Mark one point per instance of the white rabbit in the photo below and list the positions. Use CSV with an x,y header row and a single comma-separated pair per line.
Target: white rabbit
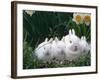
x,y
53,48
73,48
42,51
60,45
56,50
73,51
71,37
69,48
84,44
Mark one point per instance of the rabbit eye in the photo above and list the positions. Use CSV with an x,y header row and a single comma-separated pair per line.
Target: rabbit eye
x,y
70,41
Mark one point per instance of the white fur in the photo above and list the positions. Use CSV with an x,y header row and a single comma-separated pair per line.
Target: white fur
x,y
57,49
73,48
69,47
84,44
42,51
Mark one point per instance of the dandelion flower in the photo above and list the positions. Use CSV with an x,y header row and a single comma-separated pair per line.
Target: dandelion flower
x,y
87,19
78,18
30,12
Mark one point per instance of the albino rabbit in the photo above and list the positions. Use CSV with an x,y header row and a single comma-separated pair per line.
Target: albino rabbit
x,y
84,44
71,37
53,48
73,48
69,48
60,46
42,51
73,51
56,51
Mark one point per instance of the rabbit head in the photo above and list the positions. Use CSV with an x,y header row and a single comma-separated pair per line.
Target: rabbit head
x,y
72,41
72,51
73,48
53,48
60,45
84,44
56,49
71,37
42,51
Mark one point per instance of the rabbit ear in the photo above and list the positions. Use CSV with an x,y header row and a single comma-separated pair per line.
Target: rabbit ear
x,y
84,38
63,39
70,33
51,40
73,31
56,39
46,39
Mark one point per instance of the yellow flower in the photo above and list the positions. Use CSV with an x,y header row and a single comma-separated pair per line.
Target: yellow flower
x,y
30,12
78,18
82,18
87,19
